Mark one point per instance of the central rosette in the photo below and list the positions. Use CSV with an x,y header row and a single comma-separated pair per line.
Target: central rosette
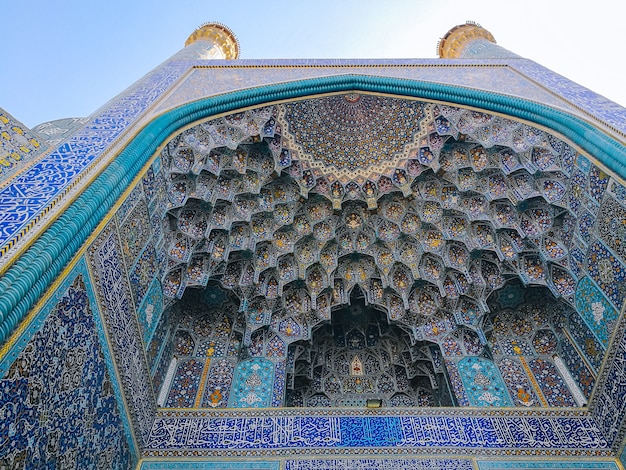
x,y
350,134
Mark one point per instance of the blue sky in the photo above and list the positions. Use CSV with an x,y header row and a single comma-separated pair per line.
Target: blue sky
x,y
66,58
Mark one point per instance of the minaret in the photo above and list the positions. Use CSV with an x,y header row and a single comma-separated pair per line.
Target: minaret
x,y
471,41
211,41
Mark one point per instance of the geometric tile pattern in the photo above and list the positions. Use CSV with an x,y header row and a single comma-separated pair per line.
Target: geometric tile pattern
x,y
185,384
278,392
149,312
517,382
456,383
597,184
603,109
159,367
612,226
57,403
586,341
134,231
609,402
584,378
207,343
143,274
254,203
357,364
219,378
526,341
390,125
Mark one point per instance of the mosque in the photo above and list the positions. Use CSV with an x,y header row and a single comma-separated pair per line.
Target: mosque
x,y
318,264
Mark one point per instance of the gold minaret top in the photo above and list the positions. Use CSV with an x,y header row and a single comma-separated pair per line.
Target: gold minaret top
x,y
452,45
224,41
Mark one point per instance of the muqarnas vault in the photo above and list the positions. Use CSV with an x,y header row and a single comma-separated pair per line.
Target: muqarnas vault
x,y
346,264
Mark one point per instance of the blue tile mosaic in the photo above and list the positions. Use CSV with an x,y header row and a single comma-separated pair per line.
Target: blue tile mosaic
x,y
143,274
618,190
517,382
583,163
57,170
129,204
604,110
611,226
278,392
159,342
598,182
585,223
57,399
276,434
586,341
577,259
134,234
185,385
456,383
531,434
608,404
579,370
218,385
551,383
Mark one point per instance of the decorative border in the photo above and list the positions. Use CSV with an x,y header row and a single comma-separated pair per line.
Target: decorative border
x,y
113,290
542,465
399,431
380,464
206,465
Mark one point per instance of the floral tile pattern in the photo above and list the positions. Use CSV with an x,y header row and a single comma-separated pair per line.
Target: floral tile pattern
x,y
595,309
483,383
253,384
57,401
551,383
609,273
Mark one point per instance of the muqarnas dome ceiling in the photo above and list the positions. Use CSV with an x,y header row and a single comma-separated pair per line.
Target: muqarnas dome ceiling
x,y
429,209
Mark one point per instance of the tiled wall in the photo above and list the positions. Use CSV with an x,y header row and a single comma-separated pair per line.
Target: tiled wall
x,y
59,398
